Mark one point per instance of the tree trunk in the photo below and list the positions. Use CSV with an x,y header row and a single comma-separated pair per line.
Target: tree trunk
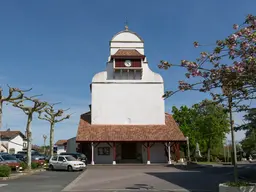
x,y
233,156
51,139
1,110
1,114
29,138
44,148
209,151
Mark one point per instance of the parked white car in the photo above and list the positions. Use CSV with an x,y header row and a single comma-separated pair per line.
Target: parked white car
x,y
65,162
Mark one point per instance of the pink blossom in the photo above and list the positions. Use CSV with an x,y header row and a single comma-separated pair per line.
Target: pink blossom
x,y
235,26
234,37
196,44
232,52
203,54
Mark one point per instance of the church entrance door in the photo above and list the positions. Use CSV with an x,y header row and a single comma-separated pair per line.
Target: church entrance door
x,y
129,150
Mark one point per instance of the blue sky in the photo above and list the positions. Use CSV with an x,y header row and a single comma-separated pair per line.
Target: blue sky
x,y
57,46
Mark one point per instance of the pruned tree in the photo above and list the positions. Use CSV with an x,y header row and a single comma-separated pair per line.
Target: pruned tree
x,y
44,137
29,111
52,116
13,95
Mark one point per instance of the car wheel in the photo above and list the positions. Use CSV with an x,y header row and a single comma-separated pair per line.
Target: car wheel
x,y
51,168
70,168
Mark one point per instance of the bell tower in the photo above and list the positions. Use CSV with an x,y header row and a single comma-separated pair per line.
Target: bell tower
x,y
128,91
126,56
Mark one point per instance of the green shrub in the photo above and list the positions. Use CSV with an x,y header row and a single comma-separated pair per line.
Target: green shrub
x,y
34,165
5,171
23,165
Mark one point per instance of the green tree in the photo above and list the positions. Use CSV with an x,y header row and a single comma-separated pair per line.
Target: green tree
x,y
185,117
249,143
212,123
205,123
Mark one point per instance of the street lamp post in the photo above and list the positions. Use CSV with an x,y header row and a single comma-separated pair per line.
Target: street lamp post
x,y
187,138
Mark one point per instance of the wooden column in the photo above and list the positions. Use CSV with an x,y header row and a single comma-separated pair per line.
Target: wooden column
x,y
169,153
92,144
114,153
148,153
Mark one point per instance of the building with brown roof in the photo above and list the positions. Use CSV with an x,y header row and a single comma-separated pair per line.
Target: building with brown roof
x,y
127,120
60,146
12,141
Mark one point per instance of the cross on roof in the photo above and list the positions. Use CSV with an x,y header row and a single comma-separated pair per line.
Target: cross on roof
x,y
126,24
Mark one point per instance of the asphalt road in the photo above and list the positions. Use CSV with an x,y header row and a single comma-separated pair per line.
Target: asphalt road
x,y
48,181
56,181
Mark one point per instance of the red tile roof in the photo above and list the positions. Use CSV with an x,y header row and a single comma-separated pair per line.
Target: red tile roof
x,y
61,142
128,53
11,134
168,132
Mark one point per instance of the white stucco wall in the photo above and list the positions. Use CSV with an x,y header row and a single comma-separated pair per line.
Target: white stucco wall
x,y
3,146
157,153
103,159
71,145
127,104
60,149
16,144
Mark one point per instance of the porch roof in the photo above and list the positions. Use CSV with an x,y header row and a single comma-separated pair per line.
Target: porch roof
x,y
90,132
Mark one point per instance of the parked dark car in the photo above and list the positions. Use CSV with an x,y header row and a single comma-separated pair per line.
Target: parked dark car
x,y
10,160
78,156
35,156
21,157
33,153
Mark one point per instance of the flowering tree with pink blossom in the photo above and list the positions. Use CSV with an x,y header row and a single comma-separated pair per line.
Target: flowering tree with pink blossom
x,y
228,72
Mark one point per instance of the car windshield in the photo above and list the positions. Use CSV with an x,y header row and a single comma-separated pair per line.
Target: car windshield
x,y
8,157
70,158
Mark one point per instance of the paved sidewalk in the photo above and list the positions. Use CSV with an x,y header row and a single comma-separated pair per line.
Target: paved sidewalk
x,y
156,178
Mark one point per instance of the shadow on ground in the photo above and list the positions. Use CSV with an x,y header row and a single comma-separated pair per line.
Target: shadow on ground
x,y
245,171
192,180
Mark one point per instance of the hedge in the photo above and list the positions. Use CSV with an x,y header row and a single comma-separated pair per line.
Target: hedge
x,y
5,171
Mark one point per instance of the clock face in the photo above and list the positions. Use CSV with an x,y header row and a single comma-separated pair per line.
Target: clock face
x,y
128,63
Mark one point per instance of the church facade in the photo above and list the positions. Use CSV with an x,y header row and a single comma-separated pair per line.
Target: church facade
x,y
127,122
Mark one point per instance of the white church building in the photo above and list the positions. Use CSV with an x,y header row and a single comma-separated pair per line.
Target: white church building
x,y
127,122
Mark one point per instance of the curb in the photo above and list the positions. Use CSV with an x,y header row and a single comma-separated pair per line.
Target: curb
x,y
21,174
126,165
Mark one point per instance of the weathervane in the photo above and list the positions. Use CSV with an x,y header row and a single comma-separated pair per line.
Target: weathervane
x,y
126,25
